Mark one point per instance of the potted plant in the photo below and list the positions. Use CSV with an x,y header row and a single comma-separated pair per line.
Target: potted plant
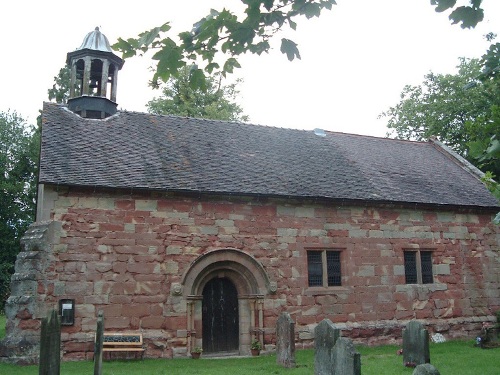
x,y
196,352
255,347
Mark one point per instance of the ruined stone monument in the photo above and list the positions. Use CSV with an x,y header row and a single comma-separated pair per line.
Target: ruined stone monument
x,y
325,337
285,341
23,309
415,344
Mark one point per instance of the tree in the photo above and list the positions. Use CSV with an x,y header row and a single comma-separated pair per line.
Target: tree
x,y
19,148
60,88
487,153
219,38
213,100
450,108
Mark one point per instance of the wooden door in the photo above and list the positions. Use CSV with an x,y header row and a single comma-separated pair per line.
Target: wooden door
x,y
220,316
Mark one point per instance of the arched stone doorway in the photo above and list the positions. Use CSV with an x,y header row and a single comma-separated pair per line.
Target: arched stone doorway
x,y
251,284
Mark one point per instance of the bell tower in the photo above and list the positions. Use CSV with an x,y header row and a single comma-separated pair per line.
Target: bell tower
x,y
94,76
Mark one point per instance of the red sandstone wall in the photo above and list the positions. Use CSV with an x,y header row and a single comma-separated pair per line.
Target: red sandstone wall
x,y
121,253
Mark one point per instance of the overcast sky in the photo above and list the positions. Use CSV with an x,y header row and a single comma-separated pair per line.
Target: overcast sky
x,y
355,59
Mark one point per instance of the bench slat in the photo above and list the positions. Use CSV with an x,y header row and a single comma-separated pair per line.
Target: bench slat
x,y
110,343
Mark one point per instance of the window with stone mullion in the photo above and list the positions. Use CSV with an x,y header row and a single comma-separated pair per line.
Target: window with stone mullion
x,y
323,268
418,267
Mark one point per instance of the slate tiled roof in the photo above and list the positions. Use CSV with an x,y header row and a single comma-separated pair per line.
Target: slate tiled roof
x,y
169,153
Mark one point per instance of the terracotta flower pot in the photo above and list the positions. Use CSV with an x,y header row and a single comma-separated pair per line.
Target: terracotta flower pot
x,y
255,352
195,355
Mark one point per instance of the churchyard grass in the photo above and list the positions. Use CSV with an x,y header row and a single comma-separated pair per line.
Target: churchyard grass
x,y
455,357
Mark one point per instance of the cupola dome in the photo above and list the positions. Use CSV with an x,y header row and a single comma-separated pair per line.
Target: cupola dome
x,y
97,41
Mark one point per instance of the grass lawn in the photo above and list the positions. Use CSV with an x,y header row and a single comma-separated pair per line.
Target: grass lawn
x,y
455,357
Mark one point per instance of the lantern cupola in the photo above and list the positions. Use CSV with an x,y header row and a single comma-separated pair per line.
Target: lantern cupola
x,y
94,76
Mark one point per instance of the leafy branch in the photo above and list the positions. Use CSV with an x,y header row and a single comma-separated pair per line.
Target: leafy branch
x,y
221,33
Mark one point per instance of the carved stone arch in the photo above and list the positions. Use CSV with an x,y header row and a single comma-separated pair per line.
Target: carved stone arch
x,y
252,286
248,275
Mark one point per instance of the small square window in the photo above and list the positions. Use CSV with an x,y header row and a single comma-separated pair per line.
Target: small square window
x,y
324,268
418,267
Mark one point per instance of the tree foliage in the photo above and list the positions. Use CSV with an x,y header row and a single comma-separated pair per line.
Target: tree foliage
x,y
60,89
450,108
466,15
19,148
210,99
219,38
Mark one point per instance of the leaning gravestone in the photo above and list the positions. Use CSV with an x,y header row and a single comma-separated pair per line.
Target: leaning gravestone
x,y
50,345
325,337
425,369
415,344
285,341
346,359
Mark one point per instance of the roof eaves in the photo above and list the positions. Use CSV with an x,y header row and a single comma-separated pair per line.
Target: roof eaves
x,y
341,201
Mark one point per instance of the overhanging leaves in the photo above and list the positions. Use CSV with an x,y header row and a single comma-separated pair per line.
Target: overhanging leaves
x,y
197,79
442,5
468,16
290,48
222,32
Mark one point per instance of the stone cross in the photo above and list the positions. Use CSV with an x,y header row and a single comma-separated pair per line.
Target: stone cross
x,y
346,359
285,341
325,337
415,344
99,339
50,345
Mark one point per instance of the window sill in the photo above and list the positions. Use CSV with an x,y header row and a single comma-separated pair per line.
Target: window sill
x,y
320,290
431,287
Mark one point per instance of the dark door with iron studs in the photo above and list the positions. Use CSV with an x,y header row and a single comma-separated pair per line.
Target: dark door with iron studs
x,y
220,316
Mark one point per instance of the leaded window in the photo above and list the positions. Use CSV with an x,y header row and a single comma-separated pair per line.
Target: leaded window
x,y
418,267
324,268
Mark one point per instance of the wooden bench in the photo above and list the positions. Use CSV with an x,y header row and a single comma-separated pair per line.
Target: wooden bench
x,y
123,342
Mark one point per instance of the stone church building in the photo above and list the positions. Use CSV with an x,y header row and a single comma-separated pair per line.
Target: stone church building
x,y
198,232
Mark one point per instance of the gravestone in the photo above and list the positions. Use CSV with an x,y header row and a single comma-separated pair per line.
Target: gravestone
x,y
346,359
415,344
426,369
285,341
99,339
50,345
325,337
